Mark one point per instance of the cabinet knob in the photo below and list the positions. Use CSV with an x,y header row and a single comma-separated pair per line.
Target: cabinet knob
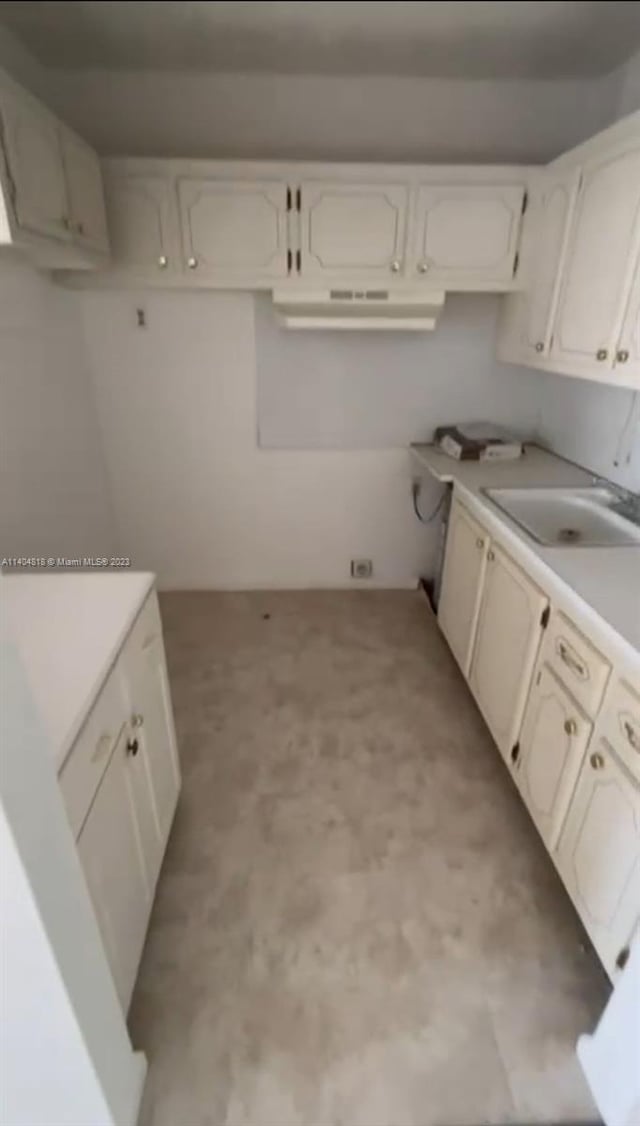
x,y
571,727
132,747
601,354
622,356
480,543
395,266
163,261
423,267
137,720
540,346
192,263
597,761
490,556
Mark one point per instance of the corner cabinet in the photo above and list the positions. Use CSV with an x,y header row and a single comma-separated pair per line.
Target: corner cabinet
x,y
51,185
120,785
510,625
462,580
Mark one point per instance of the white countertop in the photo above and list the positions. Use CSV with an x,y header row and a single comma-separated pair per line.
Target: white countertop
x,y
68,628
604,580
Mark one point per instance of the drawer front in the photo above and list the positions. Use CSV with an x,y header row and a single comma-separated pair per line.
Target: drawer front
x,y
147,628
92,750
576,662
621,725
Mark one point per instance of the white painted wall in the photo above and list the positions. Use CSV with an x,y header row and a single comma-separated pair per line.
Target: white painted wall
x,y
320,117
594,425
53,489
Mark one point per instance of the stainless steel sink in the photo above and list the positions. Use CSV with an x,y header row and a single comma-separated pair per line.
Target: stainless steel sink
x,y
560,517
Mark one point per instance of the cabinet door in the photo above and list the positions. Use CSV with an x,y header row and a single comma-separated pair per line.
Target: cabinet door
x,y
602,255
142,223
627,357
85,194
34,158
553,741
467,233
462,577
111,856
599,852
507,639
554,213
152,717
353,230
234,229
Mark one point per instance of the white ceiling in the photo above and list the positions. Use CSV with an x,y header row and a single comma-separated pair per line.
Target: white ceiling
x,y
456,40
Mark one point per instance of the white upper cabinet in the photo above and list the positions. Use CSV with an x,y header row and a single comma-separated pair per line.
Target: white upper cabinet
x,y
552,745
142,223
353,230
50,184
601,262
35,166
506,645
465,235
233,228
627,355
85,194
462,578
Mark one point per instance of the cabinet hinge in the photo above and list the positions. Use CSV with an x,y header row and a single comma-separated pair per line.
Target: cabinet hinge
x,y
544,618
289,261
516,263
525,202
299,199
298,260
515,752
288,199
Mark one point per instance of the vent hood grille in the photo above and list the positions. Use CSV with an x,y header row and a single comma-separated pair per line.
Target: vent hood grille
x,y
363,309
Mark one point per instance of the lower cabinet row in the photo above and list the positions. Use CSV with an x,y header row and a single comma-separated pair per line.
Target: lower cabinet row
x,y
120,785
566,723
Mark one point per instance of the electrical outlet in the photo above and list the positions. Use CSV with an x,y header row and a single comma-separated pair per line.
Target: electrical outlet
x,y
361,568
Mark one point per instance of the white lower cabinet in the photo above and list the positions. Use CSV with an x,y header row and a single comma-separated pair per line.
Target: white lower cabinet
x,y
121,790
549,753
466,559
510,625
111,855
598,854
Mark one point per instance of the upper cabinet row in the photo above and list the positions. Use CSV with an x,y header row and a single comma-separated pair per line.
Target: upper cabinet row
x,y
250,226
579,311
51,185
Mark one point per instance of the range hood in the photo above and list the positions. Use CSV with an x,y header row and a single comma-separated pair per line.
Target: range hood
x,y
358,309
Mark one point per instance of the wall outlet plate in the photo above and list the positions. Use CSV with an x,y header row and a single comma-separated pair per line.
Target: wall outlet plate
x,y
361,568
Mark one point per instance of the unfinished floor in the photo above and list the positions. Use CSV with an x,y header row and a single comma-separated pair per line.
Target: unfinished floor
x,y
356,923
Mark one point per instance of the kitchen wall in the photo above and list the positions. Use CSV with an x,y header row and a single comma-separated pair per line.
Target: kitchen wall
x,y
53,488
331,118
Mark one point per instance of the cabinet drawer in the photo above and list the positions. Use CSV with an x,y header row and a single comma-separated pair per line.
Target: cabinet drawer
x,y
92,750
621,725
147,628
575,661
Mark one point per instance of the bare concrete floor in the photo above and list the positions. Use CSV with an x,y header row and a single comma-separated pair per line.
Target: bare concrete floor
x,y
356,923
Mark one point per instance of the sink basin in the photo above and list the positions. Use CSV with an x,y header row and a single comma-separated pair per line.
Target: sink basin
x,y
562,517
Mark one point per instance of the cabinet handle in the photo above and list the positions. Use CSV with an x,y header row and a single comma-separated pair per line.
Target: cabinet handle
x,y
423,267
540,346
192,263
490,556
632,735
571,727
597,761
622,356
163,261
395,266
137,720
132,747
480,543
572,662
601,354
